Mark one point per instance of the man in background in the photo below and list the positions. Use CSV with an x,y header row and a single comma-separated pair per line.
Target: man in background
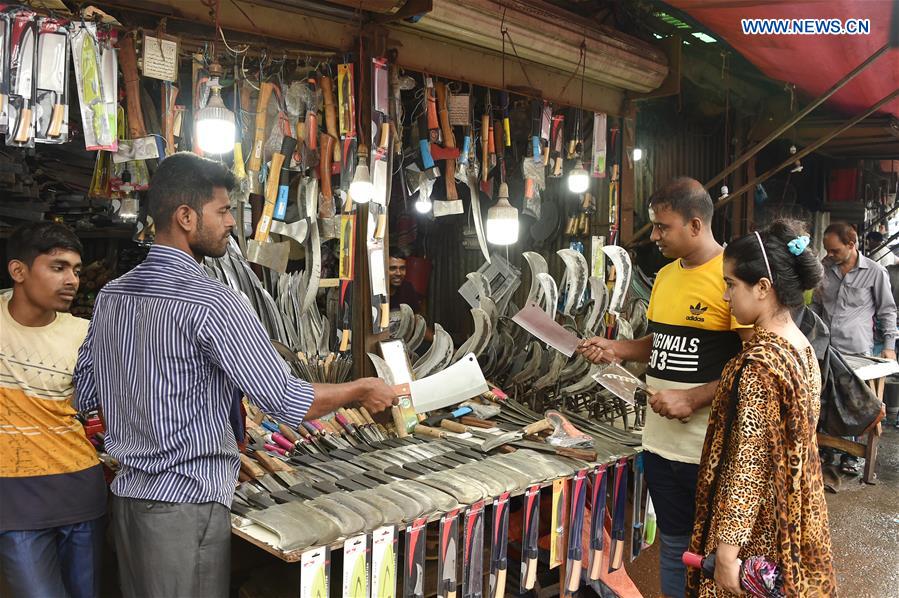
x,y
855,296
52,490
401,290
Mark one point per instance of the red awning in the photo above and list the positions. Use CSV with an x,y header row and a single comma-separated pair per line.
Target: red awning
x,y
812,62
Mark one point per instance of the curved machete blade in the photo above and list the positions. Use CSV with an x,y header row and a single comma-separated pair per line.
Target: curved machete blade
x,y
576,274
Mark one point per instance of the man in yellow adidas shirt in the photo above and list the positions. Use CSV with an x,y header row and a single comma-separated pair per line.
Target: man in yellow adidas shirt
x,y
52,491
692,335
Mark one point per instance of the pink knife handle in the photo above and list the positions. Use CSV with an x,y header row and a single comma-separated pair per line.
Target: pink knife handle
x,y
282,441
317,425
275,449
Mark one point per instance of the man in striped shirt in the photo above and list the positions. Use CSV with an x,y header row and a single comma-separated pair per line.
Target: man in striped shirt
x,y
168,355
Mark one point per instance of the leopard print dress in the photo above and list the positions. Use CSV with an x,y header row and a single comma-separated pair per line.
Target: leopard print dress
x,y
770,496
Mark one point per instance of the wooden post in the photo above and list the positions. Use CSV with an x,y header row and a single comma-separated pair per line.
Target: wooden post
x,y
627,184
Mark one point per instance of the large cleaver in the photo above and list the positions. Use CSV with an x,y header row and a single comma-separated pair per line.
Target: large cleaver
x,y
461,381
624,384
536,321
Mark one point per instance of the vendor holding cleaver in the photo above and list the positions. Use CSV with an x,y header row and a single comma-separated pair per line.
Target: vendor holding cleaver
x,y
692,337
167,358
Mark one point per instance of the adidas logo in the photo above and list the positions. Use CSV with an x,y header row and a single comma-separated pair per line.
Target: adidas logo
x,y
697,311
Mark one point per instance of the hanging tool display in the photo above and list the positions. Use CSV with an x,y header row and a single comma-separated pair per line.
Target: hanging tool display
x,y
260,249
20,95
499,546
414,567
619,506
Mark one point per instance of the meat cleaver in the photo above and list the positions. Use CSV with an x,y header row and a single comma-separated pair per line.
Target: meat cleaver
x,y
459,382
536,321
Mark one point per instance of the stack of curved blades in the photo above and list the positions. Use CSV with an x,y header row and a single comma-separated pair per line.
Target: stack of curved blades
x,y
234,271
480,338
537,266
438,356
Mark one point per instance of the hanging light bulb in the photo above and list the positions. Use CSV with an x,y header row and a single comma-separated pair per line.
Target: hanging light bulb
x,y
423,204
578,178
215,123
361,188
502,220
638,154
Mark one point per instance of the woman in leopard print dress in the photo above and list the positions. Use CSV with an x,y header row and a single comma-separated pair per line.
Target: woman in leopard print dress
x,y
760,489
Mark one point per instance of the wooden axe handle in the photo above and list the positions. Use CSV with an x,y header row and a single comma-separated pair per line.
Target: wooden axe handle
x,y
326,156
269,463
474,422
330,115
265,94
128,64
537,427
485,140
429,432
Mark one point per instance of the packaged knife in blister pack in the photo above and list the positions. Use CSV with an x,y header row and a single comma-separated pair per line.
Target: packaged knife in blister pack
x,y
619,504
597,520
558,537
575,534
356,567
51,101
473,557
383,562
499,544
4,67
637,515
447,562
529,542
414,559
22,50
96,77
315,565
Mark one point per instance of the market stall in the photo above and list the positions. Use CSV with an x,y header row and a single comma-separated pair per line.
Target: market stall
x,y
508,444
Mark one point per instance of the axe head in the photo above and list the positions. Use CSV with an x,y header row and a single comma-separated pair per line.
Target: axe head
x,y
271,255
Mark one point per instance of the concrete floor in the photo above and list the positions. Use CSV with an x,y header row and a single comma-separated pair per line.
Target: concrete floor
x,y
864,526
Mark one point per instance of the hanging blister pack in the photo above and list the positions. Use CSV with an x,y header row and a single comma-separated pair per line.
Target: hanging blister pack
x,y
22,50
355,567
4,70
315,567
530,539
597,520
499,544
414,566
96,78
51,101
473,556
447,561
383,562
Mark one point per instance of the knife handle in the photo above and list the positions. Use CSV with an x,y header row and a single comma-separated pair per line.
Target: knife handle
x,y
474,422
574,575
537,427
326,156
596,565
55,128
250,467
23,130
500,583
453,426
269,463
428,432
398,422
385,315
531,577
287,433
485,161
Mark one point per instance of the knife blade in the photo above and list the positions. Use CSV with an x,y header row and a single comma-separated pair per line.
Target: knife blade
x,y
22,83
449,568
637,519
476,558
536,321
499,547
461,381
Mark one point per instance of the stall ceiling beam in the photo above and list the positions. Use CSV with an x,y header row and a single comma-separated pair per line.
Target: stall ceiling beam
x,y
418,50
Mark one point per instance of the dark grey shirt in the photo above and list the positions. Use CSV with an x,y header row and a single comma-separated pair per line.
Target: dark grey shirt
x,y
849,304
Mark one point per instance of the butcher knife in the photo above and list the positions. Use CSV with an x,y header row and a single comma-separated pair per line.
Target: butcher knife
x,y
461,381
536,321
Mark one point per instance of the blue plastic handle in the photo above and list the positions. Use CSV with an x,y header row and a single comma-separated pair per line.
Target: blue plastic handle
x,y
281,203
425,149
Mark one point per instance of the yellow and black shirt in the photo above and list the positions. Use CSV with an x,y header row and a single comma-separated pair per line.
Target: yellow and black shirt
x,y
693,338
49,472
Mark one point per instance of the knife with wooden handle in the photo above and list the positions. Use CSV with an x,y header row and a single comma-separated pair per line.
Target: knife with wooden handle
x,y
327,86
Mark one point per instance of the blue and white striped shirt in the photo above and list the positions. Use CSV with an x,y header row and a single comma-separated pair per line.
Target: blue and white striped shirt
x,y
167,352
